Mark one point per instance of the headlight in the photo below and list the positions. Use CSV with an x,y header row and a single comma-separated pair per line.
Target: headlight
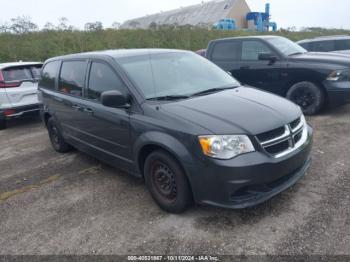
x,y
226,146
339,75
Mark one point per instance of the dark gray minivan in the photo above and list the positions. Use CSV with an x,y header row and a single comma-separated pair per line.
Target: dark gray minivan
x,y
178,121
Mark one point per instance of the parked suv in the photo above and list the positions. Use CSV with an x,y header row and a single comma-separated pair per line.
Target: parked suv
x,y
178,121
340,44
18,90
280,66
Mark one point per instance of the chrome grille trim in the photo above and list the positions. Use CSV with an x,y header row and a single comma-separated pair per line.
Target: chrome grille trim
x,y
271,142
298,127
290,136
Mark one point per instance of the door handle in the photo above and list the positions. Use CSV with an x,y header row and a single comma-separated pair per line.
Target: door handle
x,y
76,107
89,111
57,99
245,67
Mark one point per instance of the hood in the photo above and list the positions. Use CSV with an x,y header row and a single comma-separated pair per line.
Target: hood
x,y
239,111
317,57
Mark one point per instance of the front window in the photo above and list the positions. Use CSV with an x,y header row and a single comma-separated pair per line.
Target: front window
x,y
252,49
286,46
175,74
102,78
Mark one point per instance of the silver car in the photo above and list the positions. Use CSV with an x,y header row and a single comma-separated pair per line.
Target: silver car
x,y
18,89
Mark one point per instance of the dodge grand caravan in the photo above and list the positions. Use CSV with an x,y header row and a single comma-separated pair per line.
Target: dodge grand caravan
x,y
178,121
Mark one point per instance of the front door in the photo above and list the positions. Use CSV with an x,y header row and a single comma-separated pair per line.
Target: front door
x,y
266,75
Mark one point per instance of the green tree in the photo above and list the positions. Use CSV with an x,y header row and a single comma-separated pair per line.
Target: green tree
x,y
22,25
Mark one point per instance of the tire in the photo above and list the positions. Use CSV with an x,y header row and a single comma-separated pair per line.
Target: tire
x,y
56,137
309,96
161,169
2,124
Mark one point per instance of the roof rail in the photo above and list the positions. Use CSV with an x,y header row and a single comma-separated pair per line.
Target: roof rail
x,y
330,36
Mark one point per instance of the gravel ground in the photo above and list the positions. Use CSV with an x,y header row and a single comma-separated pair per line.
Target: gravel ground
x,y
74,204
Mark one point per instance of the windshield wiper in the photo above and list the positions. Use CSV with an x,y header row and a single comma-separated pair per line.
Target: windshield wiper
x,y
212,90
168,98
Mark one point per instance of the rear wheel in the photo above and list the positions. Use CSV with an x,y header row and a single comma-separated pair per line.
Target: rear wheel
x,y
167,182
309,96
56,137
2,124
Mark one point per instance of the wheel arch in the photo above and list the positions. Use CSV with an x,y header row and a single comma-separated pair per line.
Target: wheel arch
x,y
46,117
151,141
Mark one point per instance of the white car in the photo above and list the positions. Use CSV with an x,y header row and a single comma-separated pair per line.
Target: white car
x,y
18,89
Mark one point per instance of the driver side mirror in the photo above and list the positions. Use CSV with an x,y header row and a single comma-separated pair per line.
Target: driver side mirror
x,y
115,99
267,57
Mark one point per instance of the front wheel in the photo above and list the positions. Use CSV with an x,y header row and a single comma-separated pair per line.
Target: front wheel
x,y
309,96
167,182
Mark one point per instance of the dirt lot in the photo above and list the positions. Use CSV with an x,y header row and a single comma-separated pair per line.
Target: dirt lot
x,y
74,204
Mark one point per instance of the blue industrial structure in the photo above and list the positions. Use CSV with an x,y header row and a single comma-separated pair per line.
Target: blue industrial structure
x,y
259,20
225,24
262,20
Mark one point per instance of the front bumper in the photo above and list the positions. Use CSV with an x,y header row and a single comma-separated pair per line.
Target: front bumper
x,y
249,179
338,92
14,112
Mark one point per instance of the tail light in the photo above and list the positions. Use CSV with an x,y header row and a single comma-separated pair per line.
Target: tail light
x,y
3,84
9,112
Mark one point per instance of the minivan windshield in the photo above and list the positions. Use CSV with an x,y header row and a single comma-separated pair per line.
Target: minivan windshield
x,y
286,46
175,75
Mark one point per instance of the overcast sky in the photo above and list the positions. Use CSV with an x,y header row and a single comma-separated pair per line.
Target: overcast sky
x,y
287,13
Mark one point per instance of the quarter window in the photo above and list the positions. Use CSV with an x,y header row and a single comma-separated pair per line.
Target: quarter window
x,y
48,76
252,49
102,78
72,78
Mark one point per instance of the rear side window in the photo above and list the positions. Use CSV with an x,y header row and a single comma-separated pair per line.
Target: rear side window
x,y
102,78
17,74
252,49
72,78
48,76
323,46
226,50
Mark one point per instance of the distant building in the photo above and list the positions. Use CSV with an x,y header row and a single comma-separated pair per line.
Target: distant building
x,y
204,14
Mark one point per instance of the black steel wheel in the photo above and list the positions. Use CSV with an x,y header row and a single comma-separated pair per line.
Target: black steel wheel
x,y
163,180
167,182
308,96
56,137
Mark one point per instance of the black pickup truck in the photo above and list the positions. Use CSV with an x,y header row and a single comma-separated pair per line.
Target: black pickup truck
x,y
280,66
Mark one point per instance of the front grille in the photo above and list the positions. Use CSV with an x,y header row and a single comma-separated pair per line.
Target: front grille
x,y
295,123
297,137
282,140
271,134
278,148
